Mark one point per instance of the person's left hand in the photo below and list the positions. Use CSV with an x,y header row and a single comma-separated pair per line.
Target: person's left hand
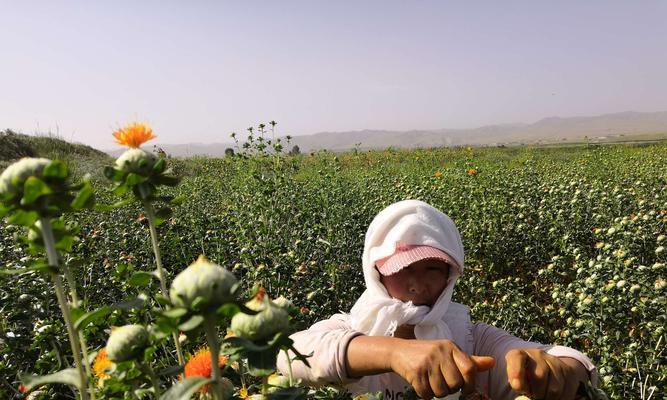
x,y
539,375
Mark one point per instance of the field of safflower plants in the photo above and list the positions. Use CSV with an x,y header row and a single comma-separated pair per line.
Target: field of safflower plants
x,y
563,245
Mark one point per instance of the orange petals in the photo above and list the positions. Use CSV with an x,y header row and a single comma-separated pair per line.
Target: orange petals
x,y
101,363
199,364
134,135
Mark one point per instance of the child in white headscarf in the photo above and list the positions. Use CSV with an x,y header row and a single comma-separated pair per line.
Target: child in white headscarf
x,y
405,331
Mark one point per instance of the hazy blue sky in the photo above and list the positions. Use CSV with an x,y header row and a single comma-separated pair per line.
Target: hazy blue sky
x,y
198,70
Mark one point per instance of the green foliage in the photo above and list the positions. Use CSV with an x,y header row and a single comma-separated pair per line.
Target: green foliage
x,y
563,246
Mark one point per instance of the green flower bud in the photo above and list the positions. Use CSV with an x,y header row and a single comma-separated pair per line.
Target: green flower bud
x,y
136,160
13,177
270,320
227,388
278,381
282,302
127,342
205,280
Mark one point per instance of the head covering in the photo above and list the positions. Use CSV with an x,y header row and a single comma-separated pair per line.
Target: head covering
x,y
408,222
407,254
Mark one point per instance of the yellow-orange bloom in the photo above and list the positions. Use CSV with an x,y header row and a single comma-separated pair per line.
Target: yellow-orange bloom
x,y
134,135
437,174
101,363
199,364
472,171
243,393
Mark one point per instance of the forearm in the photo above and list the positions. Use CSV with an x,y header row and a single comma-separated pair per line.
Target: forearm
x,y
370,355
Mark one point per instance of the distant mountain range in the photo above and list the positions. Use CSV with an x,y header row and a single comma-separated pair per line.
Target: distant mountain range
x,y
623,126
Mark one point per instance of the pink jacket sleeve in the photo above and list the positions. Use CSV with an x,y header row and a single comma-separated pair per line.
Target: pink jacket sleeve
x,y
495,342
327,342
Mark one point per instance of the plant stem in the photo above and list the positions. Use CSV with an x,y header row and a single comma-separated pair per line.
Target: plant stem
x,y
212,339
150,215
52,256
265,385
151,374
82,338
289,368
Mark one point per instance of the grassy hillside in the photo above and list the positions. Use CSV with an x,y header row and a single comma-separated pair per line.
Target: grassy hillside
x,y
81,158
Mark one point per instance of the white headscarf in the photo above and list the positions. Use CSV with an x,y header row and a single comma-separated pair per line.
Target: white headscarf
x,y
411,222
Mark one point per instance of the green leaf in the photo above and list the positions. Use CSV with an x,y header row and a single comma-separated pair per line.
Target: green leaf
x,y
68,376
110,207
171,371
114,174
184,389
120,190
55,169
37,268
89,317
162,215
159,166
228,310
65,243
133,179
191,323
166,180
177,201
25,218
176,312
33,189
141,279
84,198
162,299
130,304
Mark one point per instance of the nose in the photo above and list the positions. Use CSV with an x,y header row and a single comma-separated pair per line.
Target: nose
x,y
414,286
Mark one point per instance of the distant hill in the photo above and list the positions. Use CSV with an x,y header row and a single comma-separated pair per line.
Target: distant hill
x,y
17,145
81,158
624,126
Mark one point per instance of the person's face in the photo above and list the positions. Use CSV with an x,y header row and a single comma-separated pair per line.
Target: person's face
x,y
421,282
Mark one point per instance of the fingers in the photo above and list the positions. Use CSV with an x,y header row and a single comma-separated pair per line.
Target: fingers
x,y
557,380
439,386
516,361
467,371
537,374
422,386
483,363
538,379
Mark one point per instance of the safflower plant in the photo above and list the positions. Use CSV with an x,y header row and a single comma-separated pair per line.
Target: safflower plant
x,y
37,194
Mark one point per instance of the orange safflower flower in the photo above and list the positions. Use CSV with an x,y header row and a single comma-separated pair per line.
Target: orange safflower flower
x,y
134,135
437,174
243,393
23,388
472,171
199,364
101,363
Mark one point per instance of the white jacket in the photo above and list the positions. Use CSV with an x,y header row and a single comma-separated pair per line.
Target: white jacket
x,y
327,340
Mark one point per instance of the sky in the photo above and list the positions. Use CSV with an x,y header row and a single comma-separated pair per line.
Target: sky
x,y
198,70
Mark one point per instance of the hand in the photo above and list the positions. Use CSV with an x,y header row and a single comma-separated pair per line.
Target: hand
x,y
437,367
537,374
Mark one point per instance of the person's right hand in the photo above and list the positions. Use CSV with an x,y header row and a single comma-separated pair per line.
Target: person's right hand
x,y
437,367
